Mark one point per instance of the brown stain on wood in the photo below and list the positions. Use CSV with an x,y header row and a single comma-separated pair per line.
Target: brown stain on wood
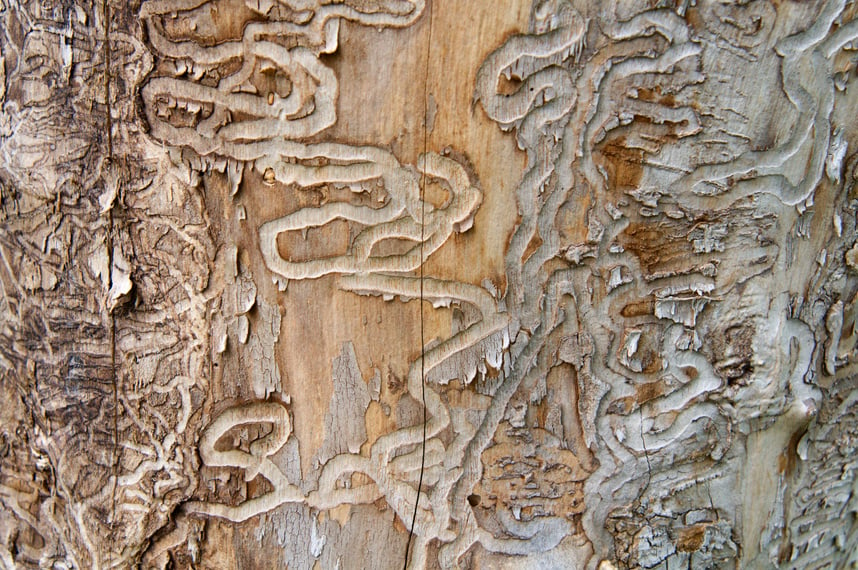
x,y
788,459
656,96
649,391
658,245
730,349
624,165
531,248
639,308
690,539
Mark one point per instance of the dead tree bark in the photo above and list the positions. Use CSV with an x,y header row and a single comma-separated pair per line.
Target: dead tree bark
x,y
373,283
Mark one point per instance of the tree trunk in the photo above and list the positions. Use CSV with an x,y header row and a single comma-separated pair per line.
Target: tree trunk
x,y
438,284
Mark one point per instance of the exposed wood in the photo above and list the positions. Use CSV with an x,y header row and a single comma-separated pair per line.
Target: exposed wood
x,y
568,285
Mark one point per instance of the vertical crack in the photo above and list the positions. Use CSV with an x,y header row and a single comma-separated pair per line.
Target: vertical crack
x,y
421,276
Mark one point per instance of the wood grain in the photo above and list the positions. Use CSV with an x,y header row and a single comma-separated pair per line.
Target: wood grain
x,y
584,273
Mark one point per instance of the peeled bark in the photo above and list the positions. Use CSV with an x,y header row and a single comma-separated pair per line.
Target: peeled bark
x,y
570,285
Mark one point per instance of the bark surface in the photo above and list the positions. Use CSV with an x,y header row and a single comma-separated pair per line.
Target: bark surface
x,y
550,285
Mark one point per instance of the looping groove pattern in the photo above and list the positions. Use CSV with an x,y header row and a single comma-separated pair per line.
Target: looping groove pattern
x,y
617,126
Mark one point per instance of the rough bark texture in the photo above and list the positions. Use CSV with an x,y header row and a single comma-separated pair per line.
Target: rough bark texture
x,y
585,270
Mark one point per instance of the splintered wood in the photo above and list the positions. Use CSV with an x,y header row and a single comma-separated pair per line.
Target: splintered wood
x,y
625,231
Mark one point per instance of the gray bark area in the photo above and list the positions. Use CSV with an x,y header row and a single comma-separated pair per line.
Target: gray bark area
x,y
607,250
